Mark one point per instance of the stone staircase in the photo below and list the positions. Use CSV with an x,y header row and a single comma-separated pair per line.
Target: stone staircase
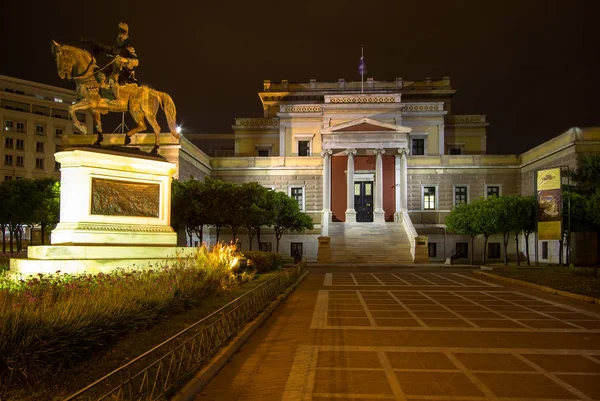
x,y
369,243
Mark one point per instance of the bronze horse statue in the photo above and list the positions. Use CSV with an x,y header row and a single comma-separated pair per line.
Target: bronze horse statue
x,y
142,102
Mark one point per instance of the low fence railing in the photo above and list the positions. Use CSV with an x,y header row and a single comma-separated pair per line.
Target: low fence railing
x,y
411,232
154,374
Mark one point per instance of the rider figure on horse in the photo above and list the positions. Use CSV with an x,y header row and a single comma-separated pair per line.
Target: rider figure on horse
x,y
124,61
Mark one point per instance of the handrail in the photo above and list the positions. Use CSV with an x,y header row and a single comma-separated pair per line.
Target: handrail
x,y
154,374
411,232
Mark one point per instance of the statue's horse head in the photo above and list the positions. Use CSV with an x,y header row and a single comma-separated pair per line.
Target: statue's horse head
x,y
72,62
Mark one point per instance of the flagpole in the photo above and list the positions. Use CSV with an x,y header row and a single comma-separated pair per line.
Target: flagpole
x,y
362,70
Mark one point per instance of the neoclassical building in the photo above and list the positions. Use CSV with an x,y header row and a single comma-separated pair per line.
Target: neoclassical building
x,y
376,165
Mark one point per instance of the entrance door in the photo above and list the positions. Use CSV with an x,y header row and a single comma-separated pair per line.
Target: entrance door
x,y
363,201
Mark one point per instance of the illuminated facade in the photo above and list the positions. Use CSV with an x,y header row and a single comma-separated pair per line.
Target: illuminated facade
x,y
33,117
374,168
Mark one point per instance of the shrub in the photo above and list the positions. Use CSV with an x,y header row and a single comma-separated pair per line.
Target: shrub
x,y
584,271
49,322
263,261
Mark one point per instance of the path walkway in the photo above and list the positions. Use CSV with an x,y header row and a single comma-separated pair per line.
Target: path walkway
x,y
417,334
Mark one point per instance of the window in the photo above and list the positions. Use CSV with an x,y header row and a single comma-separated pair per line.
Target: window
x,y
298,194
265,247
58,133
303,148
418,147
8,125
296,250
429,198
58,148
39,164
20,162
8,143
39,130
58,100
494,250
264,152
460,195
8,160
7,177
20,127
492,190
455,151
20,144
432,249
545,250
462,249
39,147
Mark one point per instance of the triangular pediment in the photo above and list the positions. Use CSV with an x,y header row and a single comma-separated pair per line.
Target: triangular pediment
x,y
365,124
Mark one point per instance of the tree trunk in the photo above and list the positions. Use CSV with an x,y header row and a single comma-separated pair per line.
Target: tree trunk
x,y
472,249
12,238
234,234
597,248
250,238
218,230
42,232
201,239
517,248
3,226
568,254
505,239
258,236
277,246
486,236
527,248
560,251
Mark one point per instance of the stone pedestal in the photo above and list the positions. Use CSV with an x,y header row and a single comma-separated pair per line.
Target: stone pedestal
x,y
421,250
324,251
115,211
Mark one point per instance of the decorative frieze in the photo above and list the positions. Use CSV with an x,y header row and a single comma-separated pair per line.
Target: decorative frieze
x,y
257,122
363,98
424,107
303,109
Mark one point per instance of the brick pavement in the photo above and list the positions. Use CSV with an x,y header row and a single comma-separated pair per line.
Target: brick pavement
x,y
417,334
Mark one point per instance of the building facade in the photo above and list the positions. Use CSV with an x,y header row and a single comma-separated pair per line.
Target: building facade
x,y
375,165
34,118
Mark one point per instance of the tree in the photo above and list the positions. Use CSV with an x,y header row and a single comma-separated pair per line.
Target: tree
x,y
287,216
508,220
586,181
215,196
525,218
460,221
188,209
486,219
46,211
254,209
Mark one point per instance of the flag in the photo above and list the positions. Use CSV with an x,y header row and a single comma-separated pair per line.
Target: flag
x,y
362,67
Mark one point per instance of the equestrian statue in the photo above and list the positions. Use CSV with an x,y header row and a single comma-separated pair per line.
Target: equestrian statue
x,y
112,88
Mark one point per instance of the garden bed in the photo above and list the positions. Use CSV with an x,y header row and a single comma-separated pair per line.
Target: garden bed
x,y
88,351
579,280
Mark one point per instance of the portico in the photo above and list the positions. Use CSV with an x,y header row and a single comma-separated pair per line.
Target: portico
x,y
359,142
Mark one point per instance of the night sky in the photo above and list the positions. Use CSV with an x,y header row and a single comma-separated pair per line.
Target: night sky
x,y
529,65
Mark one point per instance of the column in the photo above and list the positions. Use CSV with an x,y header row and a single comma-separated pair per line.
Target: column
x,y
379,214
397,190
441,138
350,211
403,178
282,140
325,218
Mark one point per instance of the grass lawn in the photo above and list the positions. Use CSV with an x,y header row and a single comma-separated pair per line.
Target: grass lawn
x,y
580,280
71,380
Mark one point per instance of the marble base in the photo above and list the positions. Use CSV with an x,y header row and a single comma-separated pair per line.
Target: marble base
x,y
379,216
94,259
113,233
350,216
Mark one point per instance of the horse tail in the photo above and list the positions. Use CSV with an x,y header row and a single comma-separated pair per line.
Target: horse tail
x,y
170,111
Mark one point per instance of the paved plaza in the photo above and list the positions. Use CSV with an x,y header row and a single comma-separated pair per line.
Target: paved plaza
x,y
417,334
